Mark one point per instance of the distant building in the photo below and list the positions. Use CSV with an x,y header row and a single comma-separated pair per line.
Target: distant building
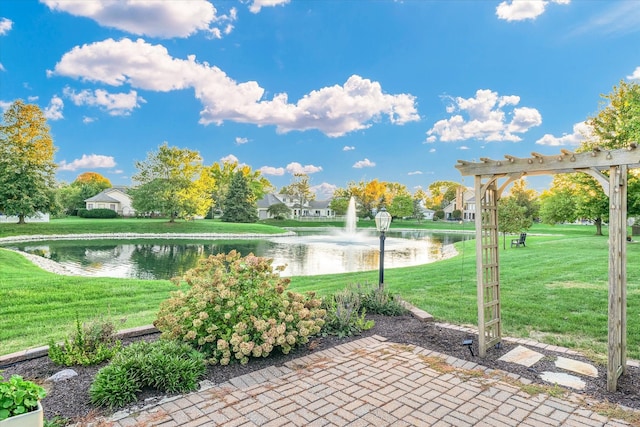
x,y
114,198
465,202
311,209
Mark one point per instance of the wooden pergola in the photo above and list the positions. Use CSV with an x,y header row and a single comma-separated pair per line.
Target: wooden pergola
x,y
491,179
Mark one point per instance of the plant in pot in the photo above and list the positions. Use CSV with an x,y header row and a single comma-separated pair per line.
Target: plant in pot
x,y
20,403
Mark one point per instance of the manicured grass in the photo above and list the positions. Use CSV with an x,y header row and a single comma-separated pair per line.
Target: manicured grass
x,y
553,290
74,225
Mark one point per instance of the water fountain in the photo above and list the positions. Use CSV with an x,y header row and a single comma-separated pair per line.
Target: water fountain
x,y
351,220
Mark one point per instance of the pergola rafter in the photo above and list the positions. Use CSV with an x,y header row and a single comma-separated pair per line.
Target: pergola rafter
x,y
488,173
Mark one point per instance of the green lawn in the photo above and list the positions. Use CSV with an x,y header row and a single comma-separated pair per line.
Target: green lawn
x,y
553,290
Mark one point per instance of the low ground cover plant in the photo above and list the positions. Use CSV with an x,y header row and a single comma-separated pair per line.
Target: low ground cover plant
x,y
18,396
345,315
378,300
91,343
238,307
165,365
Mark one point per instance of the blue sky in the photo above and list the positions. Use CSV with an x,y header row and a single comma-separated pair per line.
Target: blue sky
x,y
343,90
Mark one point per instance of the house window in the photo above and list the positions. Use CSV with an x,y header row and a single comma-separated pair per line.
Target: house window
x,y
89,206
112,206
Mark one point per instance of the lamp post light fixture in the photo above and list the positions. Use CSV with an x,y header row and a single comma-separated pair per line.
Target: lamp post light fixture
x,y
383,221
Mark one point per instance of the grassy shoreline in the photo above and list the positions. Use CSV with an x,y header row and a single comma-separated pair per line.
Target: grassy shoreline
x,y
554,290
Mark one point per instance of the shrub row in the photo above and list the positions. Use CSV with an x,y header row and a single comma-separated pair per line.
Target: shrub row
x,y
97,213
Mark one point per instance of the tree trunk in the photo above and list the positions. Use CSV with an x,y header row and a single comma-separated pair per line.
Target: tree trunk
x,y
21,219
598,223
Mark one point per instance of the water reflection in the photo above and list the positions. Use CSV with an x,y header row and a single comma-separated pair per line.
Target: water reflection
x,y
304,254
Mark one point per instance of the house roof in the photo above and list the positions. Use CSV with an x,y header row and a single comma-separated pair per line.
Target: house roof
x,y
103,196
319,204
268,200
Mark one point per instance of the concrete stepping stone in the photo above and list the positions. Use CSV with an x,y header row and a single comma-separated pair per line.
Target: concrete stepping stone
x,y
563,379
577,367
522,356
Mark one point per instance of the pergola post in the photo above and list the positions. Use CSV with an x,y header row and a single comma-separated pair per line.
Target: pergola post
x,y
617,353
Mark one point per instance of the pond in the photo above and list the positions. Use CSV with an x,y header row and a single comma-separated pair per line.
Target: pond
x,y
307,253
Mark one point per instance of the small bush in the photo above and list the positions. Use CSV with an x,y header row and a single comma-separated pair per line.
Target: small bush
x,y
90,344
236,308
380,301
345,316
97,213
439,214
167,366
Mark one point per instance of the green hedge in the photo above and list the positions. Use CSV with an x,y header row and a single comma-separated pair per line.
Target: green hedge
x,y
97,213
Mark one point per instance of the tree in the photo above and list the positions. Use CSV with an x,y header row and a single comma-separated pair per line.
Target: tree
x,y
222,174
94,179
526,197
512,217
557,205
239,205
27,169
171,181
299,190
279,211
441,193
616,125
339,205
401,206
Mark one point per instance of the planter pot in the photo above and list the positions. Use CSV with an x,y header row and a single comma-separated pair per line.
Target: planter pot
x,y
30,419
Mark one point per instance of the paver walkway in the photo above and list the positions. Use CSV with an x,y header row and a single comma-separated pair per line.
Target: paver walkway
x,y
371,382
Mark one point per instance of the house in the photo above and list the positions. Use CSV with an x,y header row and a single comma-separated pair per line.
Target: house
x,y
114,198
464,202
309,209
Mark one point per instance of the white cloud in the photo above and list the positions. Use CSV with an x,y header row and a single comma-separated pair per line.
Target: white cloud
x,y
324,191
366,163
117,104
270,170
259,4
581,132
463,147
635,75
4,106
297,168
415,173
87,119
53,111
229,159
487,119
334,110
432,150
519,10
5,26
91,161
348,148
240,140
2,67
165,19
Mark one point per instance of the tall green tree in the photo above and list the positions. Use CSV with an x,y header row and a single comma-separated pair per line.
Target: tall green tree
x,y
239,203
27,169
401,206
171,181
222,175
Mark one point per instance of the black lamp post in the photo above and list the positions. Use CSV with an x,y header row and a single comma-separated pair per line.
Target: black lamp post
x,y
383,220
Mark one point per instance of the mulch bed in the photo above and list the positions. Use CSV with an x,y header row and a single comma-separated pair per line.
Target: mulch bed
x,y
70,398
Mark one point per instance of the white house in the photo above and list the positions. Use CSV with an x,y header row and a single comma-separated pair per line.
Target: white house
x,y
310,209
114,198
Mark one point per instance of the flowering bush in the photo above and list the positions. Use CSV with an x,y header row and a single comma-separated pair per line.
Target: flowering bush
x,y
238,307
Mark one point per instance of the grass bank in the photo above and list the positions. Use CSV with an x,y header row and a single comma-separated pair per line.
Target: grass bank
x,y
553,290
75,225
